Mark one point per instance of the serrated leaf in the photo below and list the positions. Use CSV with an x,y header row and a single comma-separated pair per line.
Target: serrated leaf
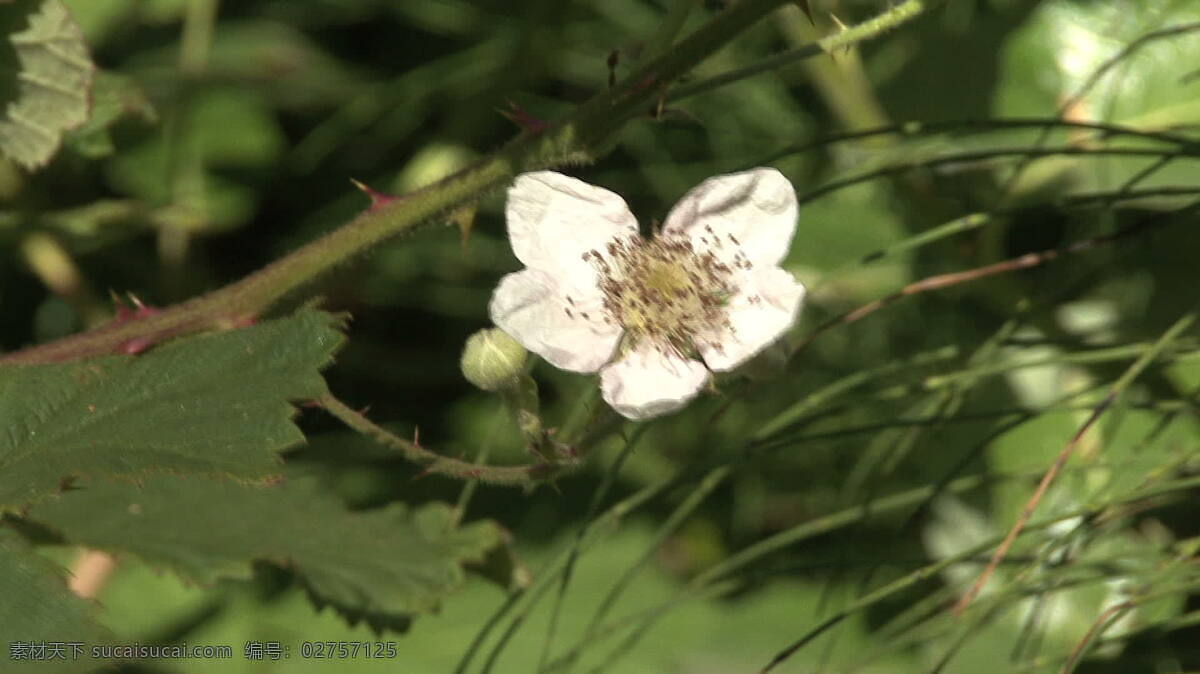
x,y
53,73
381,565
215,404
37,608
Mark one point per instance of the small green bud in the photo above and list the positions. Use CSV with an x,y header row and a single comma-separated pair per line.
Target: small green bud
x,y
492,360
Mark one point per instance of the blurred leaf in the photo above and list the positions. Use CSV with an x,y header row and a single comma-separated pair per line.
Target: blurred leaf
x,y
39,608
113,97
381,565
1062,56
49,77
215,404
225,129
825,242
98,19
282,62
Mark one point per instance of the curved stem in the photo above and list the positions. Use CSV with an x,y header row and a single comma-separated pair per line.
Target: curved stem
x,y
513,476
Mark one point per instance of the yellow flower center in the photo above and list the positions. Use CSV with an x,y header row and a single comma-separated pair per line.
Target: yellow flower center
x,y
662,290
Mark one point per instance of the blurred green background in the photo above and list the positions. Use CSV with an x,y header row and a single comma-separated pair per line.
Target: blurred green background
x,y
235,128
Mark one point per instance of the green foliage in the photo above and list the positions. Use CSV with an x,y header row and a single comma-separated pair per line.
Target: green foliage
x,y
213,405
48,80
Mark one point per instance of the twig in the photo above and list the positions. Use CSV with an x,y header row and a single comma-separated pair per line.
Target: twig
x,y
510,476
1102,623
1117,389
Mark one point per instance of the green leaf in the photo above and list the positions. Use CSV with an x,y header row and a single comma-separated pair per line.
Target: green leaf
x,y
215,404
48,78
382,565
1064,53
38,607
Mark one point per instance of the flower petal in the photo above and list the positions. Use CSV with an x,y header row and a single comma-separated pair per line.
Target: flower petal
x,y
752,213
553,220
647,382
571,332
765,304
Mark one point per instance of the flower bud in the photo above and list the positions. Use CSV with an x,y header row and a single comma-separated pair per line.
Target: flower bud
x,y
492,360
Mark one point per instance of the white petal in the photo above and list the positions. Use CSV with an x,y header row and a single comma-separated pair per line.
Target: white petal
x,y
553,220
533,307
765,304
752,212
646,382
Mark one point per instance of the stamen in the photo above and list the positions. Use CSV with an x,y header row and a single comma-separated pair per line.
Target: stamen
x,y
663,291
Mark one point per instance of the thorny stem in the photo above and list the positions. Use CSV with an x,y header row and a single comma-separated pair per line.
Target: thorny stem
x,y
864,31
579,138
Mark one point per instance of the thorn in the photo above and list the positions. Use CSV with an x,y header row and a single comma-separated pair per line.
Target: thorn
x,y
646,82
378,199
135,346
126,313
422,474
416,436
536,450
464,217
614,57
841,28
517,115
678,114
362,411
803,5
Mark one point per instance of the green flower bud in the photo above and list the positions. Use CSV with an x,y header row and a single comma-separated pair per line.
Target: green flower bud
x,y
492,360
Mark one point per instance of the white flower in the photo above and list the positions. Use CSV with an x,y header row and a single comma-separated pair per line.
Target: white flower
x,y
596,296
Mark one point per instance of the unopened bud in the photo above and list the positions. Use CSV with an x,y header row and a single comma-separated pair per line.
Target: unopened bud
x,y
492,360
